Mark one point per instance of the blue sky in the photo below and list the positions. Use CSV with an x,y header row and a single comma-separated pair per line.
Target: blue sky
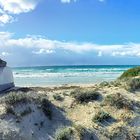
x,y
69,32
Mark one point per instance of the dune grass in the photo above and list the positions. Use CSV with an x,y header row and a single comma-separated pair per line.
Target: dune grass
x,y
64,134
101,116
133,72
14,98
85,96
119,101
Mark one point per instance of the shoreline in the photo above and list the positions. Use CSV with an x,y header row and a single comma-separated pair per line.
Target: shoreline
x,y
61,85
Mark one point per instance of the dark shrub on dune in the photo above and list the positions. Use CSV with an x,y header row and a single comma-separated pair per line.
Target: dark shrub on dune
x,y
85,96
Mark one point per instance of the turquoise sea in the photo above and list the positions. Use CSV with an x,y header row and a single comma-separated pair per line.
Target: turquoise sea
x,y
60,75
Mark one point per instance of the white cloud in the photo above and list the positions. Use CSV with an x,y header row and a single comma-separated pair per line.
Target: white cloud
x,y
10,7
5,54
5,18
43,51
68,1
18,6
42,45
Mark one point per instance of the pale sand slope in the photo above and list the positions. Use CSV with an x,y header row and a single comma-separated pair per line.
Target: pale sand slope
x,y
28,122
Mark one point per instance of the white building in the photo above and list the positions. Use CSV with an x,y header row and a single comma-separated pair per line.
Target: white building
x,y
6,77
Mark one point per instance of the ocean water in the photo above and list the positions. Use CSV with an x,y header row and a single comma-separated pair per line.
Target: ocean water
x,y
60,75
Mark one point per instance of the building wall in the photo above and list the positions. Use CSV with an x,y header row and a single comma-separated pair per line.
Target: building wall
x,y
6,78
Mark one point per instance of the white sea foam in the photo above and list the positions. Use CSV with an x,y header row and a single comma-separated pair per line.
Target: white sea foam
x,y
39,76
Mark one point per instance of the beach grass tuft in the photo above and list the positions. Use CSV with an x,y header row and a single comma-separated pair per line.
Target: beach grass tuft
x,y
133,84
14,98
101,116
119,101
85,96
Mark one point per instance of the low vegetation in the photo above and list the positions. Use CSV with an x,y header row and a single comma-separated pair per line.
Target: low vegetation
x,y
74,132
85,96
58,97
21,98
119,101
80,131
122,132
14,98
46,107
101,116
133,72
9,110
133,84
65,133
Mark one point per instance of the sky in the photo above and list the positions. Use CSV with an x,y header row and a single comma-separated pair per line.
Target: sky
x,y
70,32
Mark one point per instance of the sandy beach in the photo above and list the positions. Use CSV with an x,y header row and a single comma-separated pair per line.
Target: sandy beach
x,y
97,111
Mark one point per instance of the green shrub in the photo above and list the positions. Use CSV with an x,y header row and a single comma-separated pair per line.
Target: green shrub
x,y
119,101
84,96
133,72
14,98
58,97
65,133
101,116
46,108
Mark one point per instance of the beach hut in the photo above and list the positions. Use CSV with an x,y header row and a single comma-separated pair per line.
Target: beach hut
x,y
6,76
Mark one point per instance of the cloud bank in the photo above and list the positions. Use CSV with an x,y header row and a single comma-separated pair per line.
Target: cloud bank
x,y
40,50
41,45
